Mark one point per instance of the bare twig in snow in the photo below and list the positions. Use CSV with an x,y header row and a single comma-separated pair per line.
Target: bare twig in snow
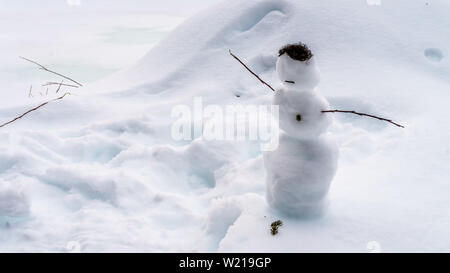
x,y
34,109
363,114
30,93
63,84
48,70
59,87
254,74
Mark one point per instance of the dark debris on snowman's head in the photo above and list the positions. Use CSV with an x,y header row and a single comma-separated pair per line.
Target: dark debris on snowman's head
x,y
298,52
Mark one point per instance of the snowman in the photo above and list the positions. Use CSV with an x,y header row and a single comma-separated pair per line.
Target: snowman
x,y
300,170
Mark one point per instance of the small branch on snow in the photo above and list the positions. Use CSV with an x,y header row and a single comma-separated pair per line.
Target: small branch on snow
x,y
254,74
59,87
34,109
363,114
30,93
63,84
50,71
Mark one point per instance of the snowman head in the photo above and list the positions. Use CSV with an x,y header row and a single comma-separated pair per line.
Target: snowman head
x,y
296,67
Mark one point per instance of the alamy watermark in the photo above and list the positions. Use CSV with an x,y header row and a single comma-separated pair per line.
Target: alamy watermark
x,y
374,247
227,122
73,247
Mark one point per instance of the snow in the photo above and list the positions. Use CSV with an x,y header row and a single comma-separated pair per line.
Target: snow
x,y
301,112
299,174
13,203
100,168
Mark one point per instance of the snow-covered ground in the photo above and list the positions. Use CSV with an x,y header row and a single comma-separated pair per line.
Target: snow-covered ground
x,y
101,169
89,39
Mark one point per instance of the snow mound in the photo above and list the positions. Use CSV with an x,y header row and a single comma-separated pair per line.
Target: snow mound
x,y
13,203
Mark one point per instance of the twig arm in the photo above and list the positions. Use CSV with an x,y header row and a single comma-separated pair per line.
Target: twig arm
x,y
249,70
363,114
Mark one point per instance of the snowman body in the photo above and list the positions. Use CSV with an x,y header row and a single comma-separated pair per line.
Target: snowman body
x,y
300,170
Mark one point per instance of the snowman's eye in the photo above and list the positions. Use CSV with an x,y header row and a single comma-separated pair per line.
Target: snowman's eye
x,y
298,117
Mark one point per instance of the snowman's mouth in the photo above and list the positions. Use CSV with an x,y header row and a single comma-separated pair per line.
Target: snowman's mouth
x,y
290,82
